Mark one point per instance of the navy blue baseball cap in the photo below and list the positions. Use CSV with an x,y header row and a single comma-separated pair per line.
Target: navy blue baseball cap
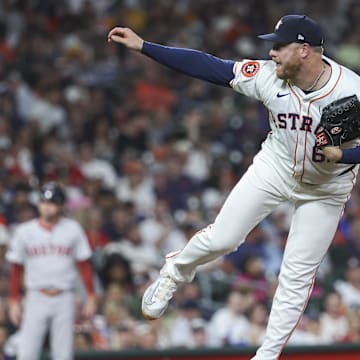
x,y
296,28
53,192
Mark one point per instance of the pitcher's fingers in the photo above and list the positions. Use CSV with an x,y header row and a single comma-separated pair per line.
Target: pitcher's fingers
x,y
117,38
116,31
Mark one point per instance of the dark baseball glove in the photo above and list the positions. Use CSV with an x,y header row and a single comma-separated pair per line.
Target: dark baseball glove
x,y
339,123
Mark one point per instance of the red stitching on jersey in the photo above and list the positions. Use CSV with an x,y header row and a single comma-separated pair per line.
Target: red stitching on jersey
x,y
297,134
296,95
308,114
304,157
296,146
172,254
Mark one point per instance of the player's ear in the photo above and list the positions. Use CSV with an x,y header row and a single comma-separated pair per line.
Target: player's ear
x,y
304,50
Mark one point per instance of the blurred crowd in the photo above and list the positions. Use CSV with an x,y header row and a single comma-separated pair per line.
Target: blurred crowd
x,y
147,157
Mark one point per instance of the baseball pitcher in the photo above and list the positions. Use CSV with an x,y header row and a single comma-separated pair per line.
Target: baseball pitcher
x,y
296,85
48,251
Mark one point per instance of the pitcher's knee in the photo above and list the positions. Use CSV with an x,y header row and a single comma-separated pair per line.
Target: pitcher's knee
x,y
218,240
298,271
294,282
225,244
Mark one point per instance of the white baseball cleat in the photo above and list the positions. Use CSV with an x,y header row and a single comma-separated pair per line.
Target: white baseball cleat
x,y
156,297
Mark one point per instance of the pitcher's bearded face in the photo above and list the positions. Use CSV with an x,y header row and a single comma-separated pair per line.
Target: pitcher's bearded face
x,y
287,60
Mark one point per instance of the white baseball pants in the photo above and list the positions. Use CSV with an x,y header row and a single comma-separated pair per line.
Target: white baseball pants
x,y
318,209
43,312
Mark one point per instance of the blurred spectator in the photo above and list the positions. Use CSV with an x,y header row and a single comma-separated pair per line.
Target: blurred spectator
x,y
314,328
116,270
258,315
96,168
254,246
200,333
252,278
348,53
94,223
4,265
140,255
349,289
146,336
114,292
3,337
83,340
353,335
124,338
109,326
120,216
158,230
229,324
180,329
334,324
308,331
353,243
136,187
20,201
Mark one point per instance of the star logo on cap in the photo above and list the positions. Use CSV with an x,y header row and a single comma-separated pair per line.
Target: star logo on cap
x,y
278,24
301,37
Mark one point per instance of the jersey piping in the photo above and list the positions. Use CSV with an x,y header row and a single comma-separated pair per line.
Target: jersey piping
x,y
297,135
308,113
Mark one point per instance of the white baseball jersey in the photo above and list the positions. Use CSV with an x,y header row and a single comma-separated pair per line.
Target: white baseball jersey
x,y
288,168
49,256
294,116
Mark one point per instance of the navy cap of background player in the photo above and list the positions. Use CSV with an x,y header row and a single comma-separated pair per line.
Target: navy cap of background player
x,y
54,193
296,28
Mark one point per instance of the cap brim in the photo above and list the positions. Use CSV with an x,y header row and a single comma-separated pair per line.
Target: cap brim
x,y
271,37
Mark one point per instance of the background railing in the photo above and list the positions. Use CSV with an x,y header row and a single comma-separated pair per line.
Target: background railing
x,y
339,351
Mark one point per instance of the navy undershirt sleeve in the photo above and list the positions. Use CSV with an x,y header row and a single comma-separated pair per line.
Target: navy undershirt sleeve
x,y
192,62
350,156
